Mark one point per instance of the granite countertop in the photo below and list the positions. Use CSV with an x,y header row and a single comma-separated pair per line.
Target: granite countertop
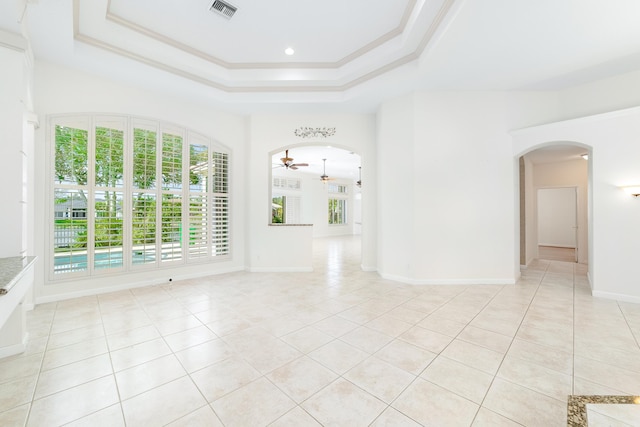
x,y
11,269
577,406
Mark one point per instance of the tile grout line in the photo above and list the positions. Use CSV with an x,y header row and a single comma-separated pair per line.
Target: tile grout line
x,y
388,405
636,339
44,354
511,343
418,376
113,370
573,337
173,353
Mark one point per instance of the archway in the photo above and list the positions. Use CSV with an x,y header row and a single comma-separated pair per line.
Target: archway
x,y
298,195
553,165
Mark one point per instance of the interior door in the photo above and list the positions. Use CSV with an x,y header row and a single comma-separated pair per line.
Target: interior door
x,y
557,218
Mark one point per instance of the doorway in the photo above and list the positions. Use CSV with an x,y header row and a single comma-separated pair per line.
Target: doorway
x,y
554,166
557,224
318,185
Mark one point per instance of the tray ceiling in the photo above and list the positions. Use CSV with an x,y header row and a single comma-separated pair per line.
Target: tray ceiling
x,y
349,55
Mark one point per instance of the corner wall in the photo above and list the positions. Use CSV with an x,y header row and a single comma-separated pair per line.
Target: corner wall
x,y
12,111
531,225
446,189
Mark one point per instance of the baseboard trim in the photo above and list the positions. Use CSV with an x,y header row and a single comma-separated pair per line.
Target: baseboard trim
x,y
105,290
280,269
12,350
445,282
616,297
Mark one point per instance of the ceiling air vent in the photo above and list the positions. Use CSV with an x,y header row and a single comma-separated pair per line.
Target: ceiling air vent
x,y
223,8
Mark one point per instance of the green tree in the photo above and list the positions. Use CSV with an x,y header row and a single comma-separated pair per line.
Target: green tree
x,y
109,170
71,155
144,158
72,163
171,161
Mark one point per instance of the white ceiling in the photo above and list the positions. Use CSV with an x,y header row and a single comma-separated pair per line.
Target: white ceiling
x,y
350,55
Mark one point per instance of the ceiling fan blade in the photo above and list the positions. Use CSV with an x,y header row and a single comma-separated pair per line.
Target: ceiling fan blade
x,y
300,164
293,167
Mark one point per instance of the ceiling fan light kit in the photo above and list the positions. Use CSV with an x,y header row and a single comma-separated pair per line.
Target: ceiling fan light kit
x,y
324,177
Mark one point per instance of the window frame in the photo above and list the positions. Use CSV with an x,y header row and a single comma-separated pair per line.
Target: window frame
x,y
89,121
290,190
343,211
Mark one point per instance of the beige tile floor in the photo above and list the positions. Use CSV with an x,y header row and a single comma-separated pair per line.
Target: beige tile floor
x,y
336,347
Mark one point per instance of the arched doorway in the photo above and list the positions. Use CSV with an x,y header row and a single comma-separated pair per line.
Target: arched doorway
x,y
299,195
546,171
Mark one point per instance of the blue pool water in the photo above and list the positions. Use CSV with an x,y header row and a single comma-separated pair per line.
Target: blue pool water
x,y
77,262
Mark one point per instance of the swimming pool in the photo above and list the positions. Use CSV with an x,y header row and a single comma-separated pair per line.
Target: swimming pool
x,y
79,262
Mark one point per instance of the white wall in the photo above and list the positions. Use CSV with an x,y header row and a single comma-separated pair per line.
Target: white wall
x,y
62,90
572,173
395,177
270,133
446,189
531,224
12,111
439,201
615,245
611,94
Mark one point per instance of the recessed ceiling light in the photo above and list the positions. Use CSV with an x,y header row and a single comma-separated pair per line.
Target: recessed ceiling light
x,y
289,51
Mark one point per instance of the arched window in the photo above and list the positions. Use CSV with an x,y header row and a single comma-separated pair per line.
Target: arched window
x,y
130,193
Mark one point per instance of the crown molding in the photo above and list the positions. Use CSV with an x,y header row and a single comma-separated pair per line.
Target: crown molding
x,y
13,41
398,30
268,87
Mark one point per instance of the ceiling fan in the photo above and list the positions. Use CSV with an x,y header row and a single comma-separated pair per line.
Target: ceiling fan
x,y
324,177
287,162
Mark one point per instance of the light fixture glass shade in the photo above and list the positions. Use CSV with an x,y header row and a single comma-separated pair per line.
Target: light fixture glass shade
x,y
585,156
634,190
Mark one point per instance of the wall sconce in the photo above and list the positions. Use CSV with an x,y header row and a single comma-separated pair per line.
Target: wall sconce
x,y
633,190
